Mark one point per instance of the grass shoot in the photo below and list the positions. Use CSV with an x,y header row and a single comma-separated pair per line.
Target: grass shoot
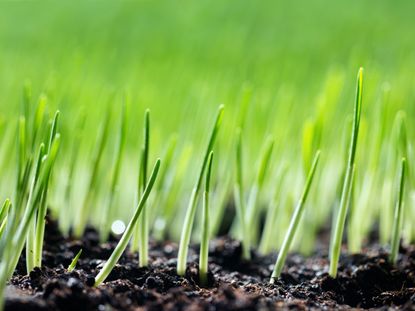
x,y
239,198
123,242
336,242
204,241
191,209
74,261
295,220
397,219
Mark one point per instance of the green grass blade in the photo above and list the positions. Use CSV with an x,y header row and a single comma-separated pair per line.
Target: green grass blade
x,y
122,244
41,214
239,198
30,241
335,247
295,220
108,213
204,244
397,221
84,211
143,221
74,261
191,210
19,237
4,212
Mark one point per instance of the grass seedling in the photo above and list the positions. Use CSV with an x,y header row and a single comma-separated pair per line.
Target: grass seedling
x,y
84,210
191,209
335,247
143,221
108,213
397,219
295,220
204,244
64,216
30,241
4,212
74,261
253,206
122,244
41,214
239,198
19,236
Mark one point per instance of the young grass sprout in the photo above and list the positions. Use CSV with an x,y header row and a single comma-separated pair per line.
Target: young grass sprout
x,y
295,220
204,244
123,242
74,261
239,198
191,209
336,242
397,219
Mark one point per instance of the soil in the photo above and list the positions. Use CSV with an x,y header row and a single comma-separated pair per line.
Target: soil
x,y
365,280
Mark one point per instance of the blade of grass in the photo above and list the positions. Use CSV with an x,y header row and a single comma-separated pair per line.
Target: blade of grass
x,y
108,213
85,208
41,213
30,240
143,221
336,242
397,219
18,240
74,261
191,210
289,236
204,244
239,198
4,212
122,244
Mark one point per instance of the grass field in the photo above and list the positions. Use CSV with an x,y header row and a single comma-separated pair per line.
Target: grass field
x,y
285,72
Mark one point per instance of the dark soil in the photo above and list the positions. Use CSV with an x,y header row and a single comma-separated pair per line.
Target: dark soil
x,y
365,280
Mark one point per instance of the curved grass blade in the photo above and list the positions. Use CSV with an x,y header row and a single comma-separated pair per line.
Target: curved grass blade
x,y
295,220
74,261
397,220
85,208
239,198
122,244
108,213
191,209
204,244
335,247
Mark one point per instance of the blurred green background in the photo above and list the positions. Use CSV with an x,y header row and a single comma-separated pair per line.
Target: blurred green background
x,y
289,59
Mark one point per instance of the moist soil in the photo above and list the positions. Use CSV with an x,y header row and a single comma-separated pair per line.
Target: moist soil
x,y
365,280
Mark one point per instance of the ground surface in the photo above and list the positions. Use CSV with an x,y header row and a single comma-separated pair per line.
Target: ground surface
x,y
365,280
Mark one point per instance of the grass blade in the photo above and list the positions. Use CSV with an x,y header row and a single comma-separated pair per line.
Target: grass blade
x,y
289,236
240,200
335,247
143,221
122,244
397,220
74,261
204,244
191,210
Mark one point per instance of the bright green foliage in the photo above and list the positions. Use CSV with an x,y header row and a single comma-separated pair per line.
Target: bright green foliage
x,y
204,240
397,220
84,209
191,209
239,198
335,247
143,221
74,261
108,214
295,220
122,244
